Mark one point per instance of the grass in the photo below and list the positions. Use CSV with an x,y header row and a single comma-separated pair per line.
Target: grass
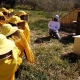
x,y
52,61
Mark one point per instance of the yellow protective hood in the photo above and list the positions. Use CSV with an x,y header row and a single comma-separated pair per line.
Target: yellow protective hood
x,y
8,66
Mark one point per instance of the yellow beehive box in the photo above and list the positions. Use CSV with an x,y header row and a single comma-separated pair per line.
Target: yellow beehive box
x,y
76,46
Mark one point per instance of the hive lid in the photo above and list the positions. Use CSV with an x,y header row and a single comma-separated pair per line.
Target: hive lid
x,y
77,36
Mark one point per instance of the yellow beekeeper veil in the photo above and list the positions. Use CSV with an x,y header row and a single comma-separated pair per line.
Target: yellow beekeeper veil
x,y
15,20
4,10
7,29
10,13
8,66
6,45
2,18
20,13
11,10
1,14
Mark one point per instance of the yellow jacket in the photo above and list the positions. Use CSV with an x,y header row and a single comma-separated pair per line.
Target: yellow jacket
x,y
26,46
9,65
27,32
20,47
23,43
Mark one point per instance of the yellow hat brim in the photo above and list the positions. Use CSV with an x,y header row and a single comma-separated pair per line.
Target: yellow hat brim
x,y
13,30
15,21
6,47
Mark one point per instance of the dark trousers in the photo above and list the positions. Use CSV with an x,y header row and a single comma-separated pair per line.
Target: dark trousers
x,y
52,33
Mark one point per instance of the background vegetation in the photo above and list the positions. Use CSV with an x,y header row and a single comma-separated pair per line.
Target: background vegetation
x,y
46,5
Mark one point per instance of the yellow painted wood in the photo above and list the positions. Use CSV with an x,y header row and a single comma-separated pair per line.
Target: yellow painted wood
x,y
71,16
76,46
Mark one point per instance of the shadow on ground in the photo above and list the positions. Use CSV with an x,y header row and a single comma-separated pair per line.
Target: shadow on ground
x,y
41,40
70,57
67,39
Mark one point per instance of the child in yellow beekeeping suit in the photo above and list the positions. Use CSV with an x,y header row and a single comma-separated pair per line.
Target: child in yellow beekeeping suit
x,y
23,15
21,24
2,18
19,39
9,59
